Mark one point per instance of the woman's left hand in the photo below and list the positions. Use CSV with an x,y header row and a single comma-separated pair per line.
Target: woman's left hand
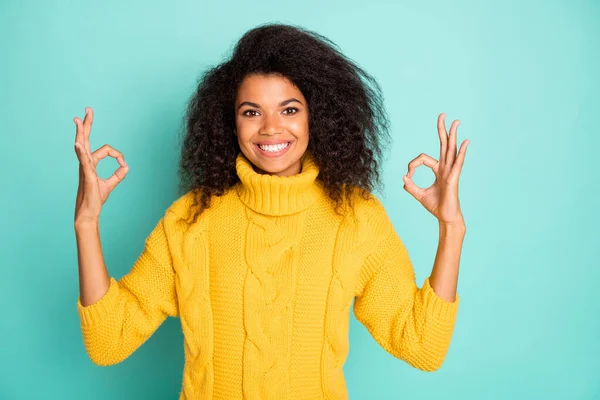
x,y
441,198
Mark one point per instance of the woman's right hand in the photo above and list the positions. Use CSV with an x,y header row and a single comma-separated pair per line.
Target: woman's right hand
x,y
93,192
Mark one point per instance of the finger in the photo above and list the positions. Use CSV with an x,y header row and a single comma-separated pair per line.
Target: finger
x,y
443,136
119,175
420,160
85,161
105,151
87,125
451,152
81,155
412,188
79,187
460,159
79,136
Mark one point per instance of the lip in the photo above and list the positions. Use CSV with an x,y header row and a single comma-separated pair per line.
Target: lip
x,y
277,153
268,142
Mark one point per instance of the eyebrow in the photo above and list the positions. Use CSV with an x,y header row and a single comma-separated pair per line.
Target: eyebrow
x,y
283,103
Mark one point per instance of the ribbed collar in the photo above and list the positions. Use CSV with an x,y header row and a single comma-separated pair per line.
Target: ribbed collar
x,y
278,195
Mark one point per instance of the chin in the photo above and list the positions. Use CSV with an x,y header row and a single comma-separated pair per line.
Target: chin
x,y
287,163
275,167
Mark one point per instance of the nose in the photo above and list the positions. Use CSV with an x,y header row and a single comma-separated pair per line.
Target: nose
x,y
271,124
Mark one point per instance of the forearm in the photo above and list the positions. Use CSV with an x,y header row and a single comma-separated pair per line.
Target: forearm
x,y
412,323
444,276
118,316
94,279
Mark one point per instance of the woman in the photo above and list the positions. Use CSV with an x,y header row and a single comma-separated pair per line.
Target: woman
x,y
277,232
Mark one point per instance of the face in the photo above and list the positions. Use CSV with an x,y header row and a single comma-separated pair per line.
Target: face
x,y
271,117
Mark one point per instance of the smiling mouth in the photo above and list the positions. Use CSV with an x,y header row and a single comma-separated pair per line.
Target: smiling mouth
x,y
274,148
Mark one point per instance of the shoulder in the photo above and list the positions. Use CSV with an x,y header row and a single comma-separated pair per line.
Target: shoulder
x,y
181,205
369,216
369,207
184,208
375,225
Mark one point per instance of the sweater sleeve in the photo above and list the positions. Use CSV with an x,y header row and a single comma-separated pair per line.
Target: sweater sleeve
x,y
413,324
134,306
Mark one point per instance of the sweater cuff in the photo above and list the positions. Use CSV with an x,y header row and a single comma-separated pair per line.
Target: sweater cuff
x,y
97,311
437,307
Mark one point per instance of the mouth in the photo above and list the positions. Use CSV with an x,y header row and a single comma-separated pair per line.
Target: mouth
x,y
274,150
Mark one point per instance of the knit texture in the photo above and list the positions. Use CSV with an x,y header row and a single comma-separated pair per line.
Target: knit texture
x,y
263,284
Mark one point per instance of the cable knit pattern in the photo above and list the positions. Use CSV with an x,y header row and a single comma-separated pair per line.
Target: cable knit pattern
x,y
263,284
353,243
190,256
268,293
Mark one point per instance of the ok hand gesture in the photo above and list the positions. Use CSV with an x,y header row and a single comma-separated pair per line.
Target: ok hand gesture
x,y
93,191
441,198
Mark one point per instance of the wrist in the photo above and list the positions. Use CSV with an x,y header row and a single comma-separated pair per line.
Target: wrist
x,y
453,227
85,223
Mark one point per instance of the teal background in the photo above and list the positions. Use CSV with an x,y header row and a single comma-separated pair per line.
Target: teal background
x,y
522,77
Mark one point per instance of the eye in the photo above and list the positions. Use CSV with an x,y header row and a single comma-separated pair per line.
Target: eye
x,y
291,108
249,111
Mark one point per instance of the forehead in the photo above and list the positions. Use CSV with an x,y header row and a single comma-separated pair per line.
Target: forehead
x,y
267,89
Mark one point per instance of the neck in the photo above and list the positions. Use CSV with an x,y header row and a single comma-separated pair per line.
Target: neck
x,y
278,195
292,170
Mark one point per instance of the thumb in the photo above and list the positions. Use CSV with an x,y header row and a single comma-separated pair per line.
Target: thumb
x,y
412,188
118,176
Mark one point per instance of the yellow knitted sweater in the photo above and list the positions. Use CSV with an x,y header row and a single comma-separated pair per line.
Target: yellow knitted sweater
x,y
263,284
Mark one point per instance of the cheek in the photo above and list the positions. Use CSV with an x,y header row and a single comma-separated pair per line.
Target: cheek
x,y
243,134
299,128
244,130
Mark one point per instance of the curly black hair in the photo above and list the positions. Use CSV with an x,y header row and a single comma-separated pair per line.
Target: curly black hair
x,y
347,119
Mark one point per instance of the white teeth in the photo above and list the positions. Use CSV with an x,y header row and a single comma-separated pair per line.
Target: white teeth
x,y
274,148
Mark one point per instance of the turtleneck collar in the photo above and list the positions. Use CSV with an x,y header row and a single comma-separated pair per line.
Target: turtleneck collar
x,y
278,195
